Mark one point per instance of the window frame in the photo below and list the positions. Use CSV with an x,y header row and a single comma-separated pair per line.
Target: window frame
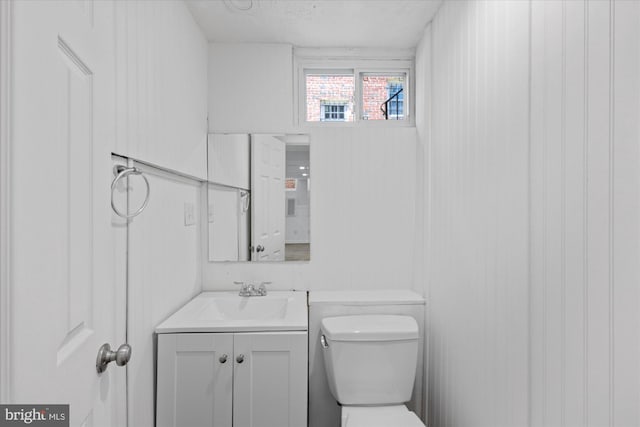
x,y
359,67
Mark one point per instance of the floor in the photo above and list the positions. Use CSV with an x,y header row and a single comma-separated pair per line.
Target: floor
x,y
297,252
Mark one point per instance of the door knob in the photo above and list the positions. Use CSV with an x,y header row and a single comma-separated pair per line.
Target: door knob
x,y
240,358
106,356
260,248
223,358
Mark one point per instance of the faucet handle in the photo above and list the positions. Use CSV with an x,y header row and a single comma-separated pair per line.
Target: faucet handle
x,y
262,289
243,288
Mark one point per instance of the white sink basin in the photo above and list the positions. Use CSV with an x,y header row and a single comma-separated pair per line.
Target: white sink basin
x,y
247,308
228,312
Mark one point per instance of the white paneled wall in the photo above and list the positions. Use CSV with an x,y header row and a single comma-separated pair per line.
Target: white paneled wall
x,y
161,70
421,237
585,235
161,57
362,216
163,274
250,87
476,212
529,135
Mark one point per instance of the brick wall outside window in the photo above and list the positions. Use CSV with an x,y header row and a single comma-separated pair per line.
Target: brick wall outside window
x,y
339,90
374,93
329,89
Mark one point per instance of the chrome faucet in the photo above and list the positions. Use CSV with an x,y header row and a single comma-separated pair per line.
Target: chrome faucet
x,y
250,290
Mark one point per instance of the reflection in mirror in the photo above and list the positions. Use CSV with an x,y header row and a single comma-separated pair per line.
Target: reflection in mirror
x,y
258,197
297,195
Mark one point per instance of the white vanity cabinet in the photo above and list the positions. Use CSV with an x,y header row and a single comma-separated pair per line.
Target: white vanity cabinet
x,y
252,379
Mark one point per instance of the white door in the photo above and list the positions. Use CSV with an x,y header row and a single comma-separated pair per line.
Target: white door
x,y
270,379
267,198
68,250
195,380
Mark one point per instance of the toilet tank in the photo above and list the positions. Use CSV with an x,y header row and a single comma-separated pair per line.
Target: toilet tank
x,y
370,359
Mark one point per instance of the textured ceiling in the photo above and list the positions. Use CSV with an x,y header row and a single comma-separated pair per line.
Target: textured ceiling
x,y
315,23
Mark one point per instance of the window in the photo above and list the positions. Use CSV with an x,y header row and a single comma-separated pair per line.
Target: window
x,y
333,112
342,90
329,96
290,184
395,104
383,96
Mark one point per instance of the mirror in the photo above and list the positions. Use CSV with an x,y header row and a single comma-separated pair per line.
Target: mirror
x,y
258,197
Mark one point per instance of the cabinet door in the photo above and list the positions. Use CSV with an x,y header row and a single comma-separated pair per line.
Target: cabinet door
x,y
270,384
195,374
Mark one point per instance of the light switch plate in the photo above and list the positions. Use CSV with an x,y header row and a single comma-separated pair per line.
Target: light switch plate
x,y
189,214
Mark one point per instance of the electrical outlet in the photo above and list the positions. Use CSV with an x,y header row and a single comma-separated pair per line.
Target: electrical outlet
x,y
189,214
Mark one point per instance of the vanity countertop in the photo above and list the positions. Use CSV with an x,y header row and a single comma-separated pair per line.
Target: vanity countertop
x,y
228,312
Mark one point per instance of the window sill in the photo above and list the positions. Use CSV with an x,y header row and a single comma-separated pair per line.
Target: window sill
x,y
360,123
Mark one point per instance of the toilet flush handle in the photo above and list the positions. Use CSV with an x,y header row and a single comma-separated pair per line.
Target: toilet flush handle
x,y
323,341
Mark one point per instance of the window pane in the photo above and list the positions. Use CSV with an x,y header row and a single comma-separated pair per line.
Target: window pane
x,y
383,96
330,97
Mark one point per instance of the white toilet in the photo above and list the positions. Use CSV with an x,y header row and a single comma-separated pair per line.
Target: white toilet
x,y
371,364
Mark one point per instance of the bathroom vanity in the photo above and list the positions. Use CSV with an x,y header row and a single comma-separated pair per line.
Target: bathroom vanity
x,y
226,360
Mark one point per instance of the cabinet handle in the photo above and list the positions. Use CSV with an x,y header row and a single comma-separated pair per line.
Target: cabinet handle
x,y
223,358
240,358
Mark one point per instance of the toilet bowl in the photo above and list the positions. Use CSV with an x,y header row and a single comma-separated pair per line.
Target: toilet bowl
x,y
371,363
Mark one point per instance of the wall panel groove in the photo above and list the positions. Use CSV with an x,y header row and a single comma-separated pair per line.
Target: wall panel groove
x,y
611,208
585,230
6,380
563,228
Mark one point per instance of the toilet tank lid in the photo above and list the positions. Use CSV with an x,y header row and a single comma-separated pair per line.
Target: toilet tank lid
x,y
367,298
370,328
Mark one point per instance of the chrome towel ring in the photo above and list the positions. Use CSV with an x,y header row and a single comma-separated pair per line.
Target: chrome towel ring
x,y
121,172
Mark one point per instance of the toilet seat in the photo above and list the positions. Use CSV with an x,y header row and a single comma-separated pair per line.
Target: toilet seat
x,y
379,416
